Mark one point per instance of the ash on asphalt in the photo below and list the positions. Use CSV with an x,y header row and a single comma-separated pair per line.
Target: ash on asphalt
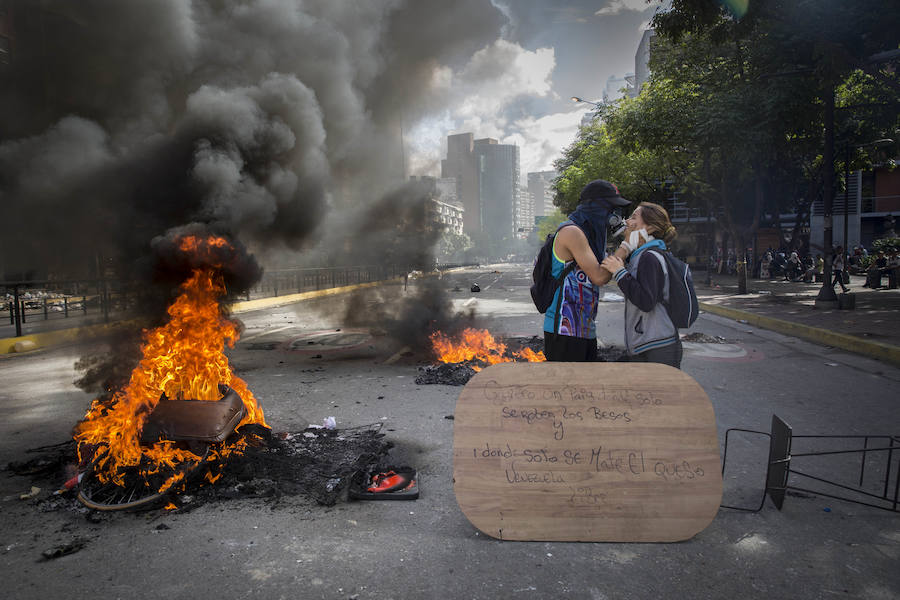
x,y
314,463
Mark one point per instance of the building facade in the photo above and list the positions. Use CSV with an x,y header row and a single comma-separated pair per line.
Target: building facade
x,y
540,186
498,186
642,62
443,209
872,204
524,211
486,176
462,167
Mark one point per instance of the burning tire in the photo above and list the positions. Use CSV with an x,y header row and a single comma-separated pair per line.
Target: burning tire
x,y
108,496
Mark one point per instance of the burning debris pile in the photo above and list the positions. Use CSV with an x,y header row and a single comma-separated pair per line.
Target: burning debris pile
x,y
475,349
183,368
472,350
315,463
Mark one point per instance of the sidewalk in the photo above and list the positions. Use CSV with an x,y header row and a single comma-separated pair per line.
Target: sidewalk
x,y
872,328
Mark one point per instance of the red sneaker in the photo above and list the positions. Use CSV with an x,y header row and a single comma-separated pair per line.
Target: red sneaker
x,y
387,482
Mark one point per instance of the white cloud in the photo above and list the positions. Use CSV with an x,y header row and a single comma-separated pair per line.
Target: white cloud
x,y
617,6
497,75
477,97
542,140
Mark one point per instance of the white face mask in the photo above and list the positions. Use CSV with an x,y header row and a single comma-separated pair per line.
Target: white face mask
x,y
639,238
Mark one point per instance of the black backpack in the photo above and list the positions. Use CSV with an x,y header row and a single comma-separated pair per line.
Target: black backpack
x,y
544,285
682,306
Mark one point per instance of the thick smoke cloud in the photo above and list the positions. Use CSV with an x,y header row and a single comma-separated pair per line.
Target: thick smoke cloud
x,y
275,123
121,120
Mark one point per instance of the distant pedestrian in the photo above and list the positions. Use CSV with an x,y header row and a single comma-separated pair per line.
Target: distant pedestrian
x,y
837,268
793,267
765,266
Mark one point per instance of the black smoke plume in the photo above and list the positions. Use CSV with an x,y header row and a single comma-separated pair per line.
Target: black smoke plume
x,y
399,230
122,122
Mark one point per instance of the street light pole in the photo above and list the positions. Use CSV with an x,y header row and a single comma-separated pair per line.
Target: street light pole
x,y
596,105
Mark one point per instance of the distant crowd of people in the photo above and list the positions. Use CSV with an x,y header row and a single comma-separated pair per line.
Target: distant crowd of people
x,y
789,265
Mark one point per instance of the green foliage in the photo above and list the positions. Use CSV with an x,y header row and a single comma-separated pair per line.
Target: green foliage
x,y
886,245
639,173
549,225
451,247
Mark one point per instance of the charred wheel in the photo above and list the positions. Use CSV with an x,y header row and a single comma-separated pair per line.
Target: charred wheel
x,y
136,493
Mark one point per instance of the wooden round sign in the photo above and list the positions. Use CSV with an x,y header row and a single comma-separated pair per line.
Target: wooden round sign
x,y
586,452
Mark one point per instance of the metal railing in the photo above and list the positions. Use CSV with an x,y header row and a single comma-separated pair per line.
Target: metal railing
x,y
44,300
31,301
278,282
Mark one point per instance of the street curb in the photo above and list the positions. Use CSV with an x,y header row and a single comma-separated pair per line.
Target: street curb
x,y
58,337
260,303
886,352
66,336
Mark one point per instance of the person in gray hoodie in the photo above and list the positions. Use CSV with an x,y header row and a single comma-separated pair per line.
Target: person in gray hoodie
x,y
643,279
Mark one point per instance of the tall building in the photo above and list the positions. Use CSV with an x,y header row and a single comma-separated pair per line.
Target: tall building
x,y
524,213
642,62
539,186
461,165
498,186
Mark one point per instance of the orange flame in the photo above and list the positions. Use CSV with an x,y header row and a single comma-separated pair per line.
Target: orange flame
x,y
183,358
480,345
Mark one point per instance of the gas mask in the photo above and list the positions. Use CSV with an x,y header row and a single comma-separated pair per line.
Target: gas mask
x,y
616,225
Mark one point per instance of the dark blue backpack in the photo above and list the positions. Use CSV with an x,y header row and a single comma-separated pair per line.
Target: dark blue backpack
x,y
682,306
544,284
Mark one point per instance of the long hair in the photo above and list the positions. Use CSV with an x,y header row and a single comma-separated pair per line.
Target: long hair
x,y
657,220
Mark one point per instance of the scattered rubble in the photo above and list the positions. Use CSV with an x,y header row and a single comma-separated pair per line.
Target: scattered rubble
x,y
702,338
445,374
70,547
316,463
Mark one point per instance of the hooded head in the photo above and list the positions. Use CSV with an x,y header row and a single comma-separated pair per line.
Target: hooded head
x,y
597,201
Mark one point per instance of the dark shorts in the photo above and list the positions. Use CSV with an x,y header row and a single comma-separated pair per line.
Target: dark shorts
x,y
667,355
565,348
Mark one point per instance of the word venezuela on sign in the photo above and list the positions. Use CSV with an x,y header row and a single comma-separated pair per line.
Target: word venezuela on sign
x,y
611,452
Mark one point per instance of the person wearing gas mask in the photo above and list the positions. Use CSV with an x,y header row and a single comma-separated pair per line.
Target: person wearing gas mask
x,y
650,335
572,335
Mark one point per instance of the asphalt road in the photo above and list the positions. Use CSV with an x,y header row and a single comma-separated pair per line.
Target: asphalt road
x,y
815,547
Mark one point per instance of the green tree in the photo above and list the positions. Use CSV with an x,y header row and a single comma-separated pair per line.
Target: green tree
x,y
549,225
742,98
451,247
639,173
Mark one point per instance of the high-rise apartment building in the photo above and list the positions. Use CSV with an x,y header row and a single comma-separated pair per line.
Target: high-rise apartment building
x,y
461,165
540,187
487,182
642,62
524,213
498,177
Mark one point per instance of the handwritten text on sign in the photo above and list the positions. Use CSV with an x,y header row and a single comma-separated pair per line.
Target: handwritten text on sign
x,y
614,441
